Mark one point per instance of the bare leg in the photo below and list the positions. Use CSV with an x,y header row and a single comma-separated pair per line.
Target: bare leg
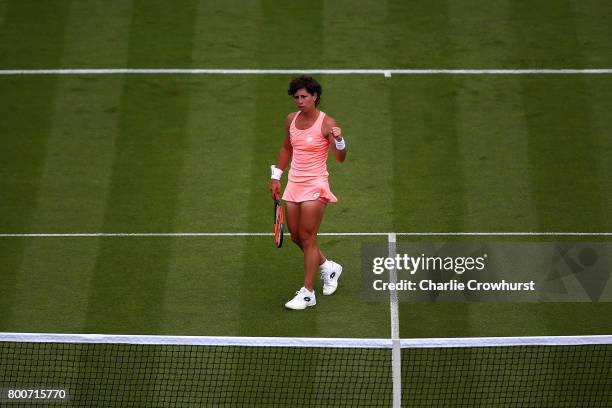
x,y
311,215
293,223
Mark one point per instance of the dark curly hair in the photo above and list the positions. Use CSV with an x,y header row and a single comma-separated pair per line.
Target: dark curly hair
x,y
308,83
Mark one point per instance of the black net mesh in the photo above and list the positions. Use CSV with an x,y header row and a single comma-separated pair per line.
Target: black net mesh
x,y
133,375
508,376
137,375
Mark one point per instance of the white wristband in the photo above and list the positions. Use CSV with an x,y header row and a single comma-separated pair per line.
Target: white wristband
x,y
276,172
340,145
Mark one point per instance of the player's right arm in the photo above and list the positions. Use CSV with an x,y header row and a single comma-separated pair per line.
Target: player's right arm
x,y
285,154
286,151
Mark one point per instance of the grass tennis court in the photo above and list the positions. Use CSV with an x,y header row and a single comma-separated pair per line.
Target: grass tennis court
x,y
191,153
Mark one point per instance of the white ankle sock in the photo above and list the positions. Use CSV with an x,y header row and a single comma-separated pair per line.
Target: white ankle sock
x,y
326,265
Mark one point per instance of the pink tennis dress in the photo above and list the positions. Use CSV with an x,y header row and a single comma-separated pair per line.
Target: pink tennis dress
x,y
308,173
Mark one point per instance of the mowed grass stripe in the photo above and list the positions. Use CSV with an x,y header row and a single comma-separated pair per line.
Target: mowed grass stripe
x,y
2,14
593,29
354,36
494,147
28,107
594,33
362,183
226,32
493,134
31,37
83,127
202,286
491,126
600,106
483,36
280,272
428,180
562,147
54,280
360,105
413,37
566,153
129,281
51,293
548,37
98,33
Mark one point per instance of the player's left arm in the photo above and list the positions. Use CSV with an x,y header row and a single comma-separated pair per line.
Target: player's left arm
x,y
333,132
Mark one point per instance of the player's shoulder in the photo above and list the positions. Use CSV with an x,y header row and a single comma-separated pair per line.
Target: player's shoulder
x,y
290,117
329,121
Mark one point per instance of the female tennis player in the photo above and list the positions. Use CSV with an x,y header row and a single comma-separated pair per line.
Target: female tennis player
x,y
309,135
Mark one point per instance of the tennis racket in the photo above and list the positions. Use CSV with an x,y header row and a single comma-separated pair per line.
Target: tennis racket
x,y
279,221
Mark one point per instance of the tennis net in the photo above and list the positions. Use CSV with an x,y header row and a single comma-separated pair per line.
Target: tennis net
x,y
168,371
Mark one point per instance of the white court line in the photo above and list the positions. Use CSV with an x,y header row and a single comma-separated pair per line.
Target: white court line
x,y
385,72
396,351
507,234
259,234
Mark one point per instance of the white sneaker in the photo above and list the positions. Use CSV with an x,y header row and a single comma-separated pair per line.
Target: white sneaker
x,y
330,278
303,299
